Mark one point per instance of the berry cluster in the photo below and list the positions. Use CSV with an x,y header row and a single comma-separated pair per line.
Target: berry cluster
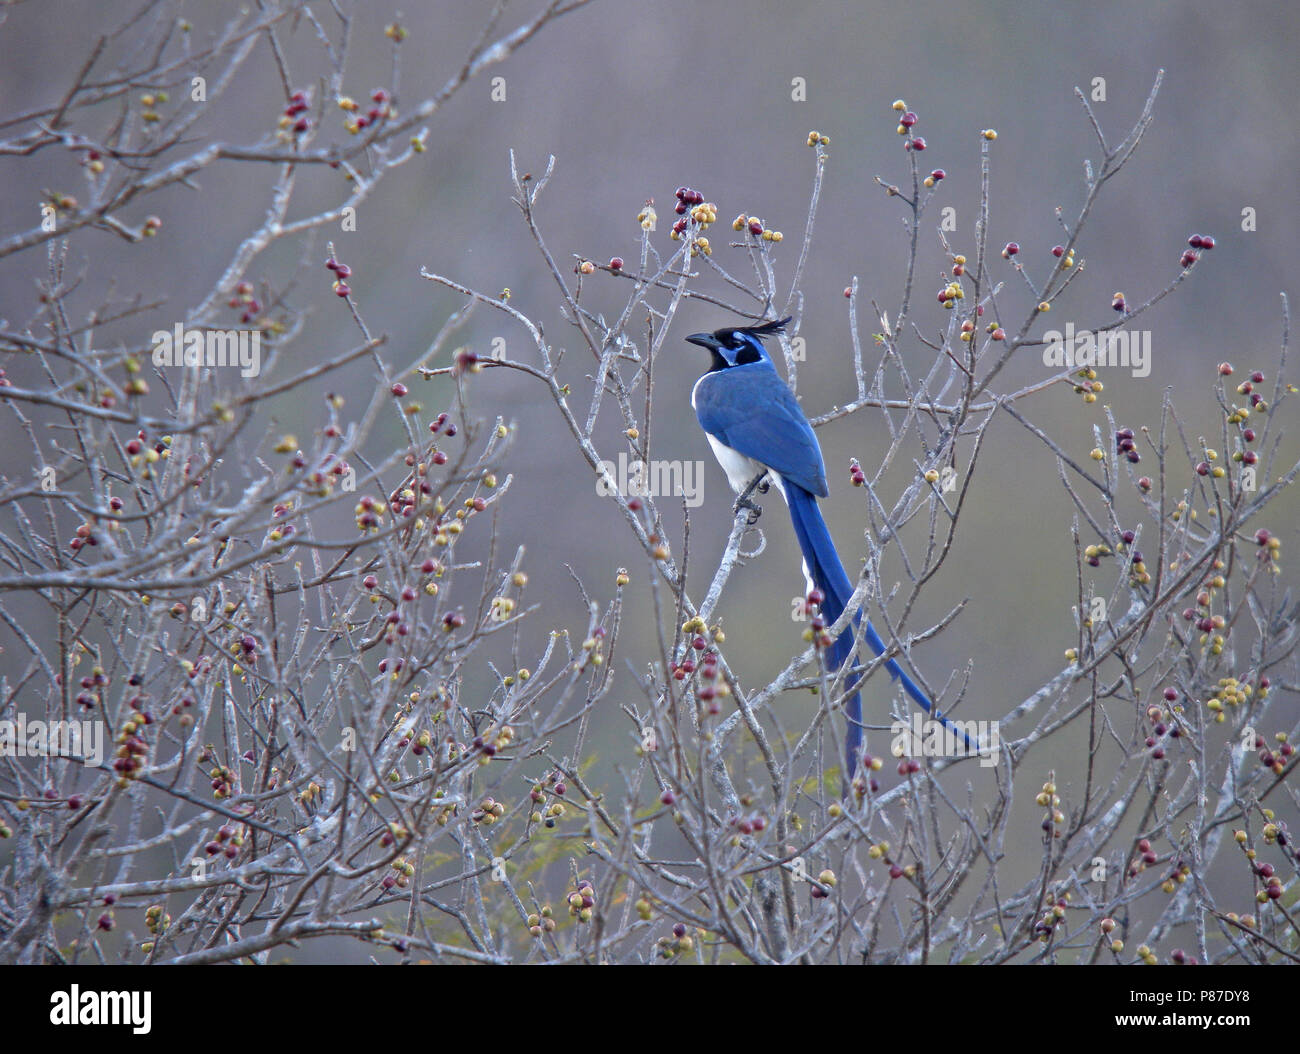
x,y
821,889
1125,444
905,125
681,941
1146,857
91,686
1164,725
1274,761
132,749
294,118
1209,625
156,919
555,809
950,294
1179,873
1196,243
710,688
1274,832
1107,928
1273,889
342,272
754,226
688,198
816,633
403,871
381,110
702,214
227,843
149,103
492,741
863,782
540,922
144,455
1054,818
222,780
1053,917
593,651
245,302
909,766
582,901
745,825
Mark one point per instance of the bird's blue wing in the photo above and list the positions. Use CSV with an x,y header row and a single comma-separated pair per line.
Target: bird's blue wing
x,y
750,409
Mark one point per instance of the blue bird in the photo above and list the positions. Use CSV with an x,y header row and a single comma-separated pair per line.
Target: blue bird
x,y
755,426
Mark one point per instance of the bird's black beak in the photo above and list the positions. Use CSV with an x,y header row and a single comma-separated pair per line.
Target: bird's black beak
x,y
704,340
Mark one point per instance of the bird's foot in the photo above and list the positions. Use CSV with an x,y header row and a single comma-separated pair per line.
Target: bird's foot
x,y
755,511
759,483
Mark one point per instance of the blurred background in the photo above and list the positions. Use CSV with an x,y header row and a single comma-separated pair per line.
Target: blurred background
x,y
635,99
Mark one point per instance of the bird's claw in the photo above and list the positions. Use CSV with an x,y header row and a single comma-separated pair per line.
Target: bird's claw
x,y
758,483
755,511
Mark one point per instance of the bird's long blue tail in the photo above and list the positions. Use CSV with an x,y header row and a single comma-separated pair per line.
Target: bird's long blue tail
x,y
828,575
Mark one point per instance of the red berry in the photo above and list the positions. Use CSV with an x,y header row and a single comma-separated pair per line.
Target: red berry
x,y
1011,249
938,174
1058,250
399,389
616,263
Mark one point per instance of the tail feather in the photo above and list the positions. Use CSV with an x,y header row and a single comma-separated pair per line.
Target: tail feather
x,y
828,575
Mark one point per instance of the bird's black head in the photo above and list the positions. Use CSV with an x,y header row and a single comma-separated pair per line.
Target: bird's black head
x,y
737,346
